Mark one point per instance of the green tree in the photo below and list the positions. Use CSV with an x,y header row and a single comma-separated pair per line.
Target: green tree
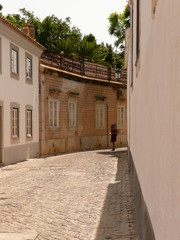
x,y
59,35
118,24
90,38
68,47
86,50
20,19
48,32
110,55
16,20
54,31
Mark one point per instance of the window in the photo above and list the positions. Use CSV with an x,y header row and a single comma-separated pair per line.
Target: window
x,y
121,116
29,123
72,107
28,63
14,61
15,122
53,113
100,115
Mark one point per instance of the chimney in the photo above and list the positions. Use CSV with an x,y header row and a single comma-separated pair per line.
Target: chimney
x,y
29,30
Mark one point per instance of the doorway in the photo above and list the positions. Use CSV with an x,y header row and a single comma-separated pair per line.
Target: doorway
x,y
1,137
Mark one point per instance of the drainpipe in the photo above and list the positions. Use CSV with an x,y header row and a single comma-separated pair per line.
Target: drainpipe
x,y
107,105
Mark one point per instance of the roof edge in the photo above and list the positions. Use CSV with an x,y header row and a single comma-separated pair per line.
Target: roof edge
x,y
82,76
13,27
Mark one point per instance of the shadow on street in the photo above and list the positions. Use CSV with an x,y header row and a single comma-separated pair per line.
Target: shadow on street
x,y
118,217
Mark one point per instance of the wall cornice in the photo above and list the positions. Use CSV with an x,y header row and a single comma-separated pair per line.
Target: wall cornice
x,y
80,78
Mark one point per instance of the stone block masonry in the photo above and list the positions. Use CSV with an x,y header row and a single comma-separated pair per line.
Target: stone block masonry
x,y
85,94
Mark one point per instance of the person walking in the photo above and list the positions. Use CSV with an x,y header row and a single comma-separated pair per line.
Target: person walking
x,y
113,135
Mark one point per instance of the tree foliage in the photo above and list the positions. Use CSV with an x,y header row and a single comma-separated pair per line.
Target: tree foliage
x,y
59,35
118,24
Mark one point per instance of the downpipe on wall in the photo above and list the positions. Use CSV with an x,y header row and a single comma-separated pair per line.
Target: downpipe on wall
x,y
107,106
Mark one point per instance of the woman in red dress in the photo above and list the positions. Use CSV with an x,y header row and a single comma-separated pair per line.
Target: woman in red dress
x,y
113,136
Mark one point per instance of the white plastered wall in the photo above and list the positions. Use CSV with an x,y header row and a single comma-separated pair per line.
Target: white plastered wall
x,y
18,91
154,114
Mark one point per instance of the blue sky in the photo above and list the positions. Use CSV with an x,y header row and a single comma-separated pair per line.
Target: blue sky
x,y
89,16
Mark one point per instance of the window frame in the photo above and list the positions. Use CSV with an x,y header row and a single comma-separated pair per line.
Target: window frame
x,y
15,122
51,113
15,138
13,74
29,79
100,119
72,114
29,109
121,116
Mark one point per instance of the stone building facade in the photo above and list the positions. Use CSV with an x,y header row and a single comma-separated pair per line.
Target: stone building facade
x,y
65,106
77,109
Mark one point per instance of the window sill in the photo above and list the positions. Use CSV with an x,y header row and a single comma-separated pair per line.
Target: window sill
x,y
15,76
54,128
29,81
72,128
29,138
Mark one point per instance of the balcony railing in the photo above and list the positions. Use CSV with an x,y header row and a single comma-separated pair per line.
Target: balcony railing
x,y
84,67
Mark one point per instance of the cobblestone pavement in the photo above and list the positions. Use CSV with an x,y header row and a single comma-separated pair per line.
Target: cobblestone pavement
x,y
78,196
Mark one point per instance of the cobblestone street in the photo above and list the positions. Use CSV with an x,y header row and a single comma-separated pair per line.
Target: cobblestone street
x,y
82,196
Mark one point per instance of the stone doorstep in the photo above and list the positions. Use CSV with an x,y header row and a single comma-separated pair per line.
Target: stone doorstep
x,y
18,236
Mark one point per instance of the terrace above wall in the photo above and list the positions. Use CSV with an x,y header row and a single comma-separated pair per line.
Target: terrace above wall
x,y
57,60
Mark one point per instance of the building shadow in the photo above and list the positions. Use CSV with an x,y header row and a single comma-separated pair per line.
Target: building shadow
x,y
118,217
116,153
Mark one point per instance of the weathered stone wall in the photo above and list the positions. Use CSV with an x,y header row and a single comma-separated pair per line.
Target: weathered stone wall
x,y
86,93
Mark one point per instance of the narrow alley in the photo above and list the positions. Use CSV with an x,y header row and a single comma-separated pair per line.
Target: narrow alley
x,y
82,196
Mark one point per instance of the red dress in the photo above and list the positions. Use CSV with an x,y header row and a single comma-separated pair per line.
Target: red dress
x,y
113,135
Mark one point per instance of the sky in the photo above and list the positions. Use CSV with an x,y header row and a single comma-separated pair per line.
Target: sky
x,y
89,16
